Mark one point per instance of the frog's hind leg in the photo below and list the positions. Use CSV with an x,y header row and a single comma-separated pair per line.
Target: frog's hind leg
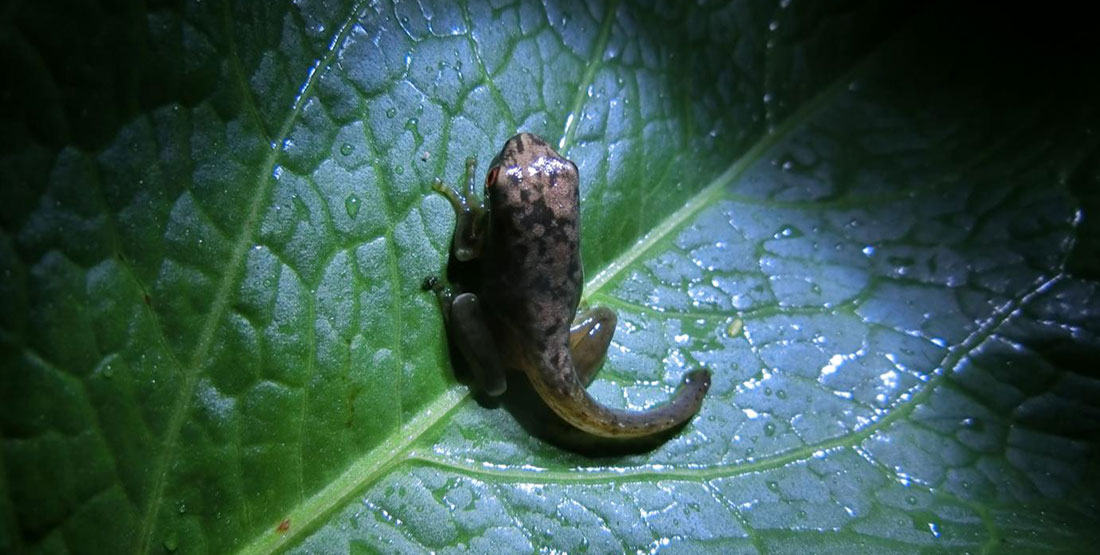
x,y
467,327
589,338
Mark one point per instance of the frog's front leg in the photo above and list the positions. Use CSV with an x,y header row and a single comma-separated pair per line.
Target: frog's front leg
x,y
589,338
465,322
462,314
471,216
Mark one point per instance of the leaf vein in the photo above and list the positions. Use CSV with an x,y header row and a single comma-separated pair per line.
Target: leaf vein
x,y
593,64
475,48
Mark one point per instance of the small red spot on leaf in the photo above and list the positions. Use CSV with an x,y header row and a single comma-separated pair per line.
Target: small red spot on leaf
x,y
283,526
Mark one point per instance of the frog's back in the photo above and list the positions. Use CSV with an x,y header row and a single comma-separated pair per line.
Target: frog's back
x,y
533,270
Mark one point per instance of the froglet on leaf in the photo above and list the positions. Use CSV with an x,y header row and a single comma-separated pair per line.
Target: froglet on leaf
x,y
524,242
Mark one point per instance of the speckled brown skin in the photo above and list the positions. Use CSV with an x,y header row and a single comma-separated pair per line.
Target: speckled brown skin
x,y
527,242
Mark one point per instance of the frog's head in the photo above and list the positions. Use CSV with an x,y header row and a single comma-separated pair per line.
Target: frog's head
x,y
528,174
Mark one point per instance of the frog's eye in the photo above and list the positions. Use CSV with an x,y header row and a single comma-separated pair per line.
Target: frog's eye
x,y
492,177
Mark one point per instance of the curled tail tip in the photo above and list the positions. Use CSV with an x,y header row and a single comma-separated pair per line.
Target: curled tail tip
x,y
698,379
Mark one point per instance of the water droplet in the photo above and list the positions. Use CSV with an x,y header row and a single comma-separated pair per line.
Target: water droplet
x,y
171,544
399,170
975,424
781,394
773,485
351,205
391,112
788,232
769,429
346,149
911,499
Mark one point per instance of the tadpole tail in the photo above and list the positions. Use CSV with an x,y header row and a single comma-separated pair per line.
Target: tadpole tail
x,y
566,396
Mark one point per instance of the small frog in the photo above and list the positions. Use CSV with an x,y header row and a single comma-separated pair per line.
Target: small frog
x,y
525,245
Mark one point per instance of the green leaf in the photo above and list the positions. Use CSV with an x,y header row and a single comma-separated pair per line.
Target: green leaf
x,y
873,223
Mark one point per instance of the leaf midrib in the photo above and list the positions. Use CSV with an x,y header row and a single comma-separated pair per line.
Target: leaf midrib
x,y
305,517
